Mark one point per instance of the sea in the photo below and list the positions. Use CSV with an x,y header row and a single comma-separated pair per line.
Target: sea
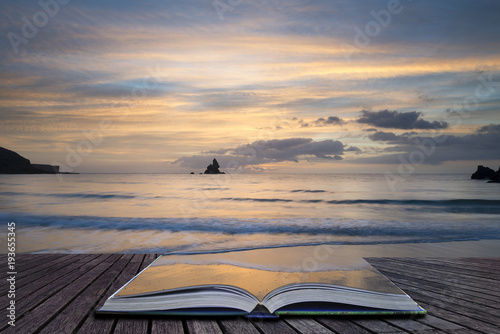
x,y
177,213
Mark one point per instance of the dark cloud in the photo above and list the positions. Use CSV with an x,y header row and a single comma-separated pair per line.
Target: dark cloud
x,y
434,150
383,136
321,122
332,120
489,128
399,120
392,137
266,151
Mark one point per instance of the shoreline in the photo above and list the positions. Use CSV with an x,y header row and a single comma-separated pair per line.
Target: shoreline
x,y
322,257
475,248
450,249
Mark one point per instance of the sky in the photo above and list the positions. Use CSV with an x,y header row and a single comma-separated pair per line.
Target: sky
x,y
294,86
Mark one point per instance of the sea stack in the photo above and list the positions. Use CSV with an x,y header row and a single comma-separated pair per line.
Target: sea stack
x,y
213,168
482,173
495,178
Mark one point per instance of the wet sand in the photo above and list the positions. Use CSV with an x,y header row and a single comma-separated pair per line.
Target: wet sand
x,y
322,257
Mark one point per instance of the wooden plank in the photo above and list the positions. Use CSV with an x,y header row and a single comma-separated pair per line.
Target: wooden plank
x,y
491,265
37,318
238,326
61,263
463,320
439,323
75,313
147,260
426,287
452,290
27,270
409,325
450,279
451,313
340,325
167,326
30,296
481,312
473,303
461,331
492,261
99,324
455,290
471,269
378,326
138,325
445,277
33,260
27,261
131,326
307,326
203,326
460,272
158,325
273,326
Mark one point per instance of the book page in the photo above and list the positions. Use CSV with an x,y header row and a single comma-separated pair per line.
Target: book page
x,y
164,276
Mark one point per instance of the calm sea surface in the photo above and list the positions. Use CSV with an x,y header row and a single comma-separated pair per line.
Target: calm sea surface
x,y
204,213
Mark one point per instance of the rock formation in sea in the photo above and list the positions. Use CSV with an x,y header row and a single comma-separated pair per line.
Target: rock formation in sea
x,y
495,178
13,163
213,168
482,173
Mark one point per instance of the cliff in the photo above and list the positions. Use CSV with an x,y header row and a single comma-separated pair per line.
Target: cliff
x,y
13,163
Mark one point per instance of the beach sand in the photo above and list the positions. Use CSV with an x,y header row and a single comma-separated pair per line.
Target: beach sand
x,y
50,240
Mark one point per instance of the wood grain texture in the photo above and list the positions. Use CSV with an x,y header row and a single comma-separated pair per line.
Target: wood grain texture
x,y
238,326
203,326
167,326
59,293
307,326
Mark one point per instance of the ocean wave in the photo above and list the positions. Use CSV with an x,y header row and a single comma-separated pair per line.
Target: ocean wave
x,y
451,205
424,230
308,191
72,195
468,202
194,249
245,199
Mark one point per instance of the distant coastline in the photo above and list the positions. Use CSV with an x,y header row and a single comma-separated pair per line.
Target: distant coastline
x,y
13,163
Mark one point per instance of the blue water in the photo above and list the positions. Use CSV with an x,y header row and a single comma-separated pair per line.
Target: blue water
x,y
205,213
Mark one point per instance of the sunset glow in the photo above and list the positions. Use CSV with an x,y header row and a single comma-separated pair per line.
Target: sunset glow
x,y
166,86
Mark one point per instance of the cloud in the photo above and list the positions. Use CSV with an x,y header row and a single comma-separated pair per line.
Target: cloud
x,y
399,120
226,81
383,136
269,151
489,128
393,138
435,150
332,120
321,122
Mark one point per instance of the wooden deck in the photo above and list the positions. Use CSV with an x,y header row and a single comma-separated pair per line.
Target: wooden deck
x,y
58,294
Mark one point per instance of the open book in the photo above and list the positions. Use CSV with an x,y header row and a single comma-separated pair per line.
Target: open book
x,y
173,288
